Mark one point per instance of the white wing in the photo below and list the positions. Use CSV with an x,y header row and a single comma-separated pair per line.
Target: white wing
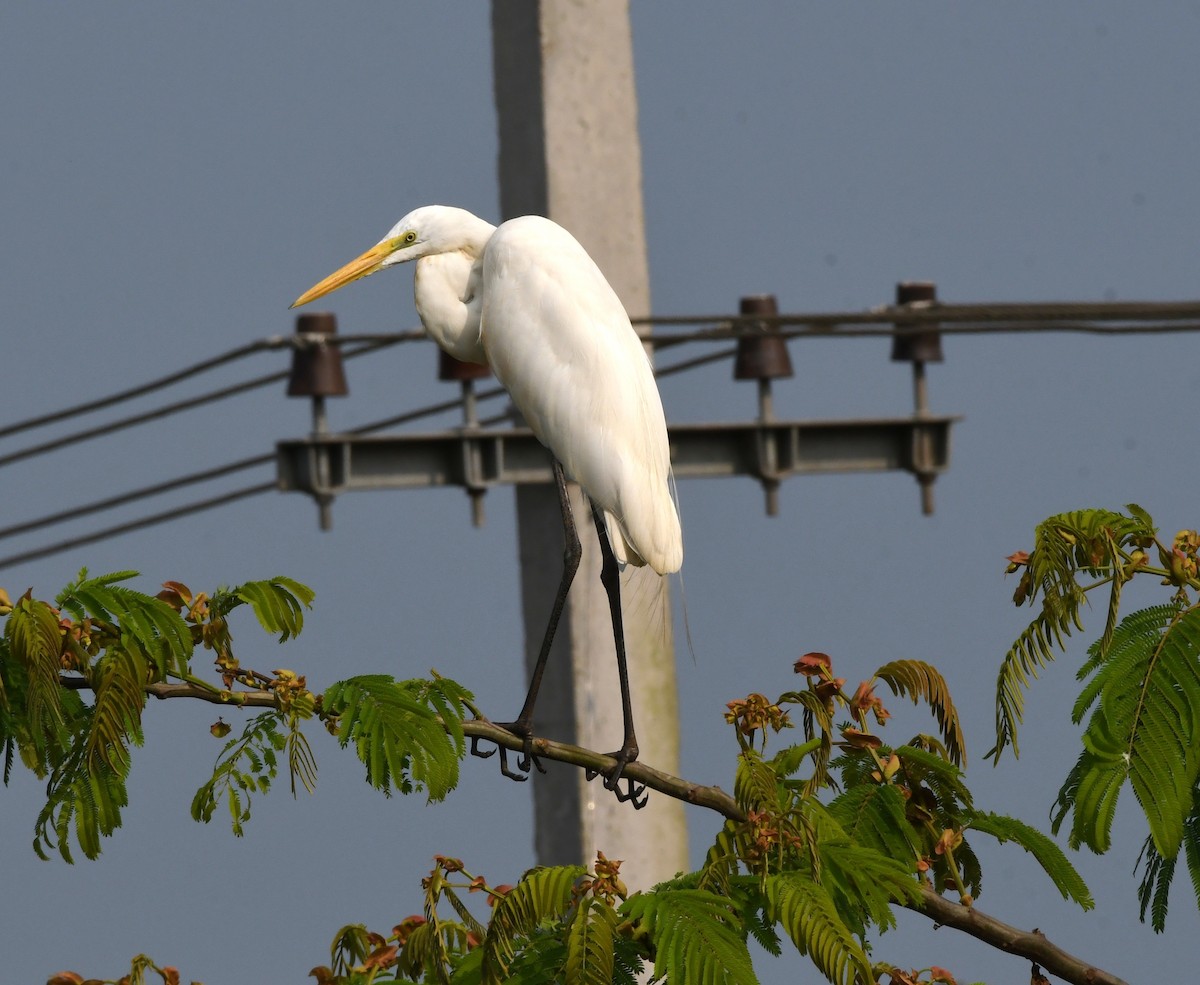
x,y
559,340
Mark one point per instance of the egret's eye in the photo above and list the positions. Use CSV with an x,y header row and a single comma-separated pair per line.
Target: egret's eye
x,y
408,238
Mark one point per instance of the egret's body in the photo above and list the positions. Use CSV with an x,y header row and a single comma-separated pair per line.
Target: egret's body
x,y
526,299
557,337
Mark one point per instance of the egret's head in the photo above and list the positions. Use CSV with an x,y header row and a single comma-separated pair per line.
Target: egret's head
x,y
423,232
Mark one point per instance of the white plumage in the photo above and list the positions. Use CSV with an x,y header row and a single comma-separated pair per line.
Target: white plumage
x,y
527,299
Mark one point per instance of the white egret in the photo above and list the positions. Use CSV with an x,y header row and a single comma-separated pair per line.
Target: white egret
x,y
526,299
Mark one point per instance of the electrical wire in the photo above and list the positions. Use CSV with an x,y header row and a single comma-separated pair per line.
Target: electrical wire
x,y
78,437
112,502
205,475
1114,318
274,342
147,521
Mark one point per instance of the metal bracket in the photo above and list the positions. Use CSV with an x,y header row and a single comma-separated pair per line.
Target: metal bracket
x,y
326,465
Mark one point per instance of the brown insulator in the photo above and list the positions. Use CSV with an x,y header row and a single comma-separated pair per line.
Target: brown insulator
x,y
317,368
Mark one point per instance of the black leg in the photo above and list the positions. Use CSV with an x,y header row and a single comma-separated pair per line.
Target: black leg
x,y
610,578
523,726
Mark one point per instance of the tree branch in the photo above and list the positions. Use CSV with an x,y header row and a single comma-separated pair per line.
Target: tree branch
x,y
1032,945
166,689
1028,944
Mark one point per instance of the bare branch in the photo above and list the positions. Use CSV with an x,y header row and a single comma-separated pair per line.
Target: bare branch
x,y
163,689
1028,944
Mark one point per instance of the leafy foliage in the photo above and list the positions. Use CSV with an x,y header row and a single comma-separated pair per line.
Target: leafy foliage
x,y
279,604
407,733
1141,684
148,627
1096,543
695,936
542,895
247,765
1049,856
808,914
830,833
1145,728
87,801
923,682
104,637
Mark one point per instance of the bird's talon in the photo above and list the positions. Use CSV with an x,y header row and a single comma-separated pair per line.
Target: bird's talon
x,y
475,750
633,792
519,777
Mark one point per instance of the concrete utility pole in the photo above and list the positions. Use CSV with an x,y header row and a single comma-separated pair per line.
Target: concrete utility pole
x,y
569,150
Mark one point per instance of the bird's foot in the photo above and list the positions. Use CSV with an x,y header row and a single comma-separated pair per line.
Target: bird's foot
x,y
526,762
624,787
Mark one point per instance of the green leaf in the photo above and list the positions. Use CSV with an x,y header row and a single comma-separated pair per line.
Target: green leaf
x,y
697,936
408,734
1145,727
1048,855
147,625
278,603
34,643
864,883
920,681
590,943
247,764
811,920
873,815
942,777
116,719
541,894
1067,545
1155,887
86,798
755,783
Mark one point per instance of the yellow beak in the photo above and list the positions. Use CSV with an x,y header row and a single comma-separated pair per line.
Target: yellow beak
x,y
362,266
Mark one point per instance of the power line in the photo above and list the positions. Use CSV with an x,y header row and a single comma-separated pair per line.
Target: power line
x,y
112,502
1101,318
147,521
195,477
78,437
274,342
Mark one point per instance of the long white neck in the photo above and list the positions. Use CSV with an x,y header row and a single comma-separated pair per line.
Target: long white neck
x,y
446,288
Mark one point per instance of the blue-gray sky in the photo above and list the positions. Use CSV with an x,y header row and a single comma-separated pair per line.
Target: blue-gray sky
x,y
176,174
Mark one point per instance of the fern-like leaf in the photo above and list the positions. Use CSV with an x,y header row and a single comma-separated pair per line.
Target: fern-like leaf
x,y
811,920
864,883
246,765
278,603
397,733
1136,634
697,936
755,783
146,624
88,800
941,777
590,943
1145,728
920,681
1048,855
302,764
541,894
33,640
872,815
1066,545
116,719
1157,875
